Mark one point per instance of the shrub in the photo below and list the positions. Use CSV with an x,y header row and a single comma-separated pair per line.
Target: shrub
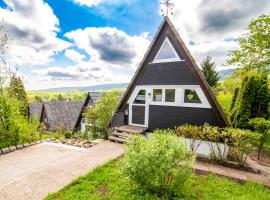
x,y
262,126
194,133
217,141
243,143
68,134
159,164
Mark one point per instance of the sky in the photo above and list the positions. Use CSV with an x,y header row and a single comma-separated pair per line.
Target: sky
x,y
90,42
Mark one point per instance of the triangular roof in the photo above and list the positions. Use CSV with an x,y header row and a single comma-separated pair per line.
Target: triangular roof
x,y
90,99
191,64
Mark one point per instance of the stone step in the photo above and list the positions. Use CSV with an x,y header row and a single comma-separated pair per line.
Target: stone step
x,y
120,134
131,129
117,139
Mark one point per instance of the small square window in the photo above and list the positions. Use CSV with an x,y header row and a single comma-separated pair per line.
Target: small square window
x,y
191,96
157,94
170,95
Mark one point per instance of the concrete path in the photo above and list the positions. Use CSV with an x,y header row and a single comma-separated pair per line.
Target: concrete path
x,y
34,172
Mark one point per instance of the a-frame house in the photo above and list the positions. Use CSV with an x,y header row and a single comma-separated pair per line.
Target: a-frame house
x,y
168,88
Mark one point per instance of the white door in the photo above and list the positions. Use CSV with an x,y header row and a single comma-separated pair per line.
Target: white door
x,y
139,107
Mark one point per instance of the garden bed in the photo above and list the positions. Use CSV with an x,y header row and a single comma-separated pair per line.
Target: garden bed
x,y
107,182
76,142
229,164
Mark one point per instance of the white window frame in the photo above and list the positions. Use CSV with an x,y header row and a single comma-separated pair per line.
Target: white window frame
x,y
167,59
179,96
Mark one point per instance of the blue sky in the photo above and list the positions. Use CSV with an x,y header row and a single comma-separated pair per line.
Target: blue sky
x,y
91,42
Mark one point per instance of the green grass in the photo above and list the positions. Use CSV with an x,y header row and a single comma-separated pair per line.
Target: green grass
x,y
107,182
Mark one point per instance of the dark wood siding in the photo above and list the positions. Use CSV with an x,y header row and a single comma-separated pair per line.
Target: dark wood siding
x,y
174,73
171,116
138,114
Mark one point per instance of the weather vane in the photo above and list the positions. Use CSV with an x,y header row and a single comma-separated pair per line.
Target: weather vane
x,y
166,7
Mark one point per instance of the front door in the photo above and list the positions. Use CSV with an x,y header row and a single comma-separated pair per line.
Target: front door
x,y
139,107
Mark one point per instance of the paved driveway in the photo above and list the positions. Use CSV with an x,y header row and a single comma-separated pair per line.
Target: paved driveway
x,y
34,172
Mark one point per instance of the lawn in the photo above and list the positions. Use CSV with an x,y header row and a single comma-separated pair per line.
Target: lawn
x,y
107,182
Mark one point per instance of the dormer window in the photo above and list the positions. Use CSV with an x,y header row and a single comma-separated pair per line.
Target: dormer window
x,y
166,53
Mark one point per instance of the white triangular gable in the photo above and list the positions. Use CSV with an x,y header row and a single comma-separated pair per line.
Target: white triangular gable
x,y
166,53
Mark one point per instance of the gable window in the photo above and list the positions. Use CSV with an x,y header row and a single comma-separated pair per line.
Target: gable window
x,y
191,96
157,95
166,53
140,98
169,95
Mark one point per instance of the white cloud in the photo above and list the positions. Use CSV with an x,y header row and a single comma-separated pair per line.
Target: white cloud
x,y
110,45
33,29
74,55
81,74
209,24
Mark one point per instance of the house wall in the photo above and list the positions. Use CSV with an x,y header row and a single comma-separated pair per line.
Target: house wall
x,y
163,117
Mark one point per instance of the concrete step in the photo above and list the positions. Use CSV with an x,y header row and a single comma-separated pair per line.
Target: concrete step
x,y
120,134
117,139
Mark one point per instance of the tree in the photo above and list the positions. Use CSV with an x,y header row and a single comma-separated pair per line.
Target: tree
x,y
101,113
16,90
208,69
251,101
254,52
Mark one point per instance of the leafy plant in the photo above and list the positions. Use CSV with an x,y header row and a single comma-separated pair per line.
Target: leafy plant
x,y
262,126
242,143
217,142
159,164
194,133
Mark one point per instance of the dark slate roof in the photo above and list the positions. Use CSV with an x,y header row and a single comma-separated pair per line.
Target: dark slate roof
x,y
62,113
35,109
95,96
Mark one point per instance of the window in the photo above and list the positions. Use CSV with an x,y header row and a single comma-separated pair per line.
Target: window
x,y
157,95
191,96
140,98
170,95
166,53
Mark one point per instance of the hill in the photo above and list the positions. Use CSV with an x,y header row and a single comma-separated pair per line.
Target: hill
x,y
96,88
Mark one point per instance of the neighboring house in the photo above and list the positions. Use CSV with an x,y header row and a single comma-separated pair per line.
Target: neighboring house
x,y
56,114
90,100
168,88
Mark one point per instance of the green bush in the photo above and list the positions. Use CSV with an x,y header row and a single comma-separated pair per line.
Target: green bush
x,y
217,141
67,134
159,164
192,132
262,126
242,143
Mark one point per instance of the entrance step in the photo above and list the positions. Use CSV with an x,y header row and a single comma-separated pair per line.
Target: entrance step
x,y
122,133
117,139
131,129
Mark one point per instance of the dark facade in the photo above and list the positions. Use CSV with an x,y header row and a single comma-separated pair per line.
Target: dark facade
x,y
184,72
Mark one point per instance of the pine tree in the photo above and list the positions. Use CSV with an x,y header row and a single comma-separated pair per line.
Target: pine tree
x,y
236,92
208,70
251,101
16,90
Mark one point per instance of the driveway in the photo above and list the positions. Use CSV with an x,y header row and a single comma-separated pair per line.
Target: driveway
x,y
33,172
